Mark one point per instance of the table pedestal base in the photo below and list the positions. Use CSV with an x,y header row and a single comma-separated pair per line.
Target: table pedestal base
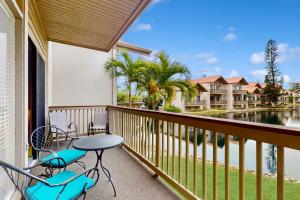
x,y
105,170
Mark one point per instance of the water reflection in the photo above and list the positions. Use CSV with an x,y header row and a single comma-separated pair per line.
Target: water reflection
x,y
287,118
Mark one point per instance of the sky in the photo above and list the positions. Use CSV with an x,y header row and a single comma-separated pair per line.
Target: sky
x,y
222,37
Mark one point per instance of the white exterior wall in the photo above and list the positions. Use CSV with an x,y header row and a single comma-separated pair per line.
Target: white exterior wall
x,y
229,89
206,95
179,101
77,76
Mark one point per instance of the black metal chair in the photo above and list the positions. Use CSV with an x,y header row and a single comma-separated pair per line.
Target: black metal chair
x,y
47,146
63,185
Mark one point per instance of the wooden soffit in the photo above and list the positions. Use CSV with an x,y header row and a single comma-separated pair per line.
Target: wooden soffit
x,y
94,24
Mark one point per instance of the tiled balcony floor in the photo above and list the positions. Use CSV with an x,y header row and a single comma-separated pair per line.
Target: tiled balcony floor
x,y
133,181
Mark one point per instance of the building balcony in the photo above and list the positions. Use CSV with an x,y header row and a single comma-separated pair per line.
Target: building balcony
x,y
238,102
254,101
220,102
239,91
195,103
218,91
154,142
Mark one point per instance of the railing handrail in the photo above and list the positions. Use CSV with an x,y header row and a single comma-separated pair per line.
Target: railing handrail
x,y
75,106
268,133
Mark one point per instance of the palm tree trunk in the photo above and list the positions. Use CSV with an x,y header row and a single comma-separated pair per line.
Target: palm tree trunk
x,y
129,94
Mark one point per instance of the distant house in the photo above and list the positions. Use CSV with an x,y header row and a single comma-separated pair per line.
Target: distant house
x,y
197,102
237,96
216,95
254,94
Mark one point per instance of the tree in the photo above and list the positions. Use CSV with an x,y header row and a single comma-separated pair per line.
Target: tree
x,y
162,78
124,65
273,79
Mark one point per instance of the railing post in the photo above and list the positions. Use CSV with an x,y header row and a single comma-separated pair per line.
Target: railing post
x,y
157,142
122,127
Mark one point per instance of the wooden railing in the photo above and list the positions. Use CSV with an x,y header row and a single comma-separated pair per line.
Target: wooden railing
x,y
220,102
158,140
195,102
80,115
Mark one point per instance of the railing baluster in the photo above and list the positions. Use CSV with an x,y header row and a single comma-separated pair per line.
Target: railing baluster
x,y
227,167
157,142
195,160
179,156
173,150
168,145
145,137
153,134
203,164
258,170
280,173
187,144
148,128
241,168
215,160
162,144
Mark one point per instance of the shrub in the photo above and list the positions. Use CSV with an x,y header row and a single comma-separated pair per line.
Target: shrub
x,y
172,109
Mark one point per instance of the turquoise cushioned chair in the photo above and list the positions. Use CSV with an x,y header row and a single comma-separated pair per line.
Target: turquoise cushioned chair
x,y
65,185
46,141
72,190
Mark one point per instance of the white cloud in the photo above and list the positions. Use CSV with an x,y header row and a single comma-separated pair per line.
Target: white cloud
x,y
156,1
257,58
259,74
286,54
208,58
231,28
230,37
143,27
218,70
208,71
234,73
286,78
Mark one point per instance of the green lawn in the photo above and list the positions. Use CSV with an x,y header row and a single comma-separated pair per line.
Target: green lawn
x,y
292,190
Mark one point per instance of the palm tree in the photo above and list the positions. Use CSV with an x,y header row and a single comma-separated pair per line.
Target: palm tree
x,y
162,77
124,65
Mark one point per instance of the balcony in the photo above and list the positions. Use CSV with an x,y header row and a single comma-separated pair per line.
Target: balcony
x,y
195,103
239,102
254,101
239,91
218,91
157,140
220,102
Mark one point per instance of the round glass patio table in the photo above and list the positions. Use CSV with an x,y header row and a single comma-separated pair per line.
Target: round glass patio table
x,y
99,144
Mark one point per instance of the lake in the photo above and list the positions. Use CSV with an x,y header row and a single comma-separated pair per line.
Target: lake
x,y
285,118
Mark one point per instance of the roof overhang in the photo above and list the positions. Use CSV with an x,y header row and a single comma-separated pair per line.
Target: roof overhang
x,y
133,48
94,24
201,88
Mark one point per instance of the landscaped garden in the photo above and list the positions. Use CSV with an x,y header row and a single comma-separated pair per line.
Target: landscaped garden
x,y
292,189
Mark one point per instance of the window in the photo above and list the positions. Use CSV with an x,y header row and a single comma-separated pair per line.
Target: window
x,y
7,97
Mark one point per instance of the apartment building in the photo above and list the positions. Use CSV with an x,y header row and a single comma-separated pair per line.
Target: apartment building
x,y
198,102
216,95
254,94
295,86
237,97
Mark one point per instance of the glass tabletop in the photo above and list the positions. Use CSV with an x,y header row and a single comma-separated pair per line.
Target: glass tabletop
x,y
98,142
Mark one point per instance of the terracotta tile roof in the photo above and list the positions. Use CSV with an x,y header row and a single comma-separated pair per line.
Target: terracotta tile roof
x,y
252,89
256,84
233,80
210,79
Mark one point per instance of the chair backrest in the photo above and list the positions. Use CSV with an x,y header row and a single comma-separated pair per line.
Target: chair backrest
x,y
42,139
58,119
100,118
19,178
